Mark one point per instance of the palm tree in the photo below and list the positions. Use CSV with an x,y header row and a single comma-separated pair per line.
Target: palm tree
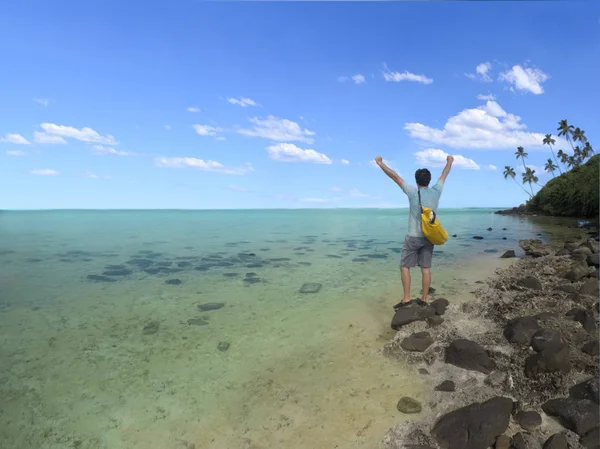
x,y
587,150
564,129
579,134
509,172
548,140
550,167
562,156
520,153
529,176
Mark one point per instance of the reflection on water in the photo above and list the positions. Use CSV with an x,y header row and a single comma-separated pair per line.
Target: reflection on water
x,y
233,329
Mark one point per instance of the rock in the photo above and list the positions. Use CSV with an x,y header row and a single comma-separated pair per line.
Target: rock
x,y
408,405
535,248
577,272
469,355
552,359
502,442
435,320
99,278
454,235
589,287
591,440
503,238
475,426
545,338
417,342
210,306
197,322
223,346
592,260
508,254
592,244
521,330
570,245
151,328
423,371
580,259
489,229
578,415
447,386
440,305
556,441
117,272
496,379
173,281
585,390
575,297
310,287
530,282
567,288
518,442
411,312
591,348
529,421
562,252
546,316
583,316
582,249
478,237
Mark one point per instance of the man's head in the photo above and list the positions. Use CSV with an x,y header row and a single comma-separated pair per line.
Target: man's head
x,y
423,177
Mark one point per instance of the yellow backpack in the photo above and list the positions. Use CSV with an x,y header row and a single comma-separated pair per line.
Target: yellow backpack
x,y
432,228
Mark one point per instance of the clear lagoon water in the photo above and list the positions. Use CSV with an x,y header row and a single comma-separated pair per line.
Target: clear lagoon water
x,y
103,345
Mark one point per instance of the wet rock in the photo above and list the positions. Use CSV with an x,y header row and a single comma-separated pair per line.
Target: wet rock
x,y
223,346
521,330
489,229
469,355
140,263
530,282
590,287
184,264
579,415
417,342
412,312
454,235
151,328
477,237
163,263
556,441
173,282
99,278
583,316
310,287
545,338
554,358
120,272
475,426
197,322
210,306
577,272
529,420
435,320
440,305
360,259
502,442
591,348
535,248
446,386
504,238
585,390
508,254
423,371
408,405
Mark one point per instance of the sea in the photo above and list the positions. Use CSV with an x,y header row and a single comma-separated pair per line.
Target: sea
x,y
229,329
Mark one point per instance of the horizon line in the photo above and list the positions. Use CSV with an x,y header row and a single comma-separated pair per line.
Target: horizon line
x,y
232,209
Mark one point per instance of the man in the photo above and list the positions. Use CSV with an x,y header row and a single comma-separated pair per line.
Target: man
x,y
417,249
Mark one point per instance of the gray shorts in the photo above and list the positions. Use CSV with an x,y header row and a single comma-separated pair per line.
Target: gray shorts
x,y
416,251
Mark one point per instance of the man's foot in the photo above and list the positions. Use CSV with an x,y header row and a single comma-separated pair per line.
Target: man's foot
x,y
421,302
402,303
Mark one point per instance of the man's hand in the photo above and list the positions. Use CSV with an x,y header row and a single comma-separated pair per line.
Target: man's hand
x,y
450,159
379,160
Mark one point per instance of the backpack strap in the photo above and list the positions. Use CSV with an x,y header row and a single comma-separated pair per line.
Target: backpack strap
x,y
421,207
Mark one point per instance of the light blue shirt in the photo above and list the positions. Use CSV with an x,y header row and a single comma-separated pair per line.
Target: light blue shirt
x,y
430,197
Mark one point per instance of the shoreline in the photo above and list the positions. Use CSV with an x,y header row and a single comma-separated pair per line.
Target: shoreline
x,y
528,296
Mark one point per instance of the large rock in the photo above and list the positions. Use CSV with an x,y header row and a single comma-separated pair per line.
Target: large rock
x,y
545,338
447,386
592,260
585,390
521,330
591,440
579,415
524,441
508,254
552,359
577,272
590,287
409,313
562,252
408,405
529,420
556,441
440,305
567,288
583,249
502,442
535,248
583,316
592,244
475,426
570,245
469,355
417,342
591,348
530,282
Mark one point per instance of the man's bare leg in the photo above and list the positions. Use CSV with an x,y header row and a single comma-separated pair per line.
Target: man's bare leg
x,y
405,275
426,272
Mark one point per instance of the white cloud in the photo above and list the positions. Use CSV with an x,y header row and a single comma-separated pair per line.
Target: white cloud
x,y
406,76
316,200
288,152
101,150
14,138
358,78
16,153
491,167
242,101
437,158
277,129
95,176
193,109
45,172
345,162
343,79
487,126
168,127
481,72
41,137
525,78
237,188
539,170
486,97
386,162
209,166
206,130
42,101
84,134
355,193
336,189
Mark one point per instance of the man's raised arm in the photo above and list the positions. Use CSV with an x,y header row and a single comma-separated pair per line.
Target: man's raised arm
x,y
449,161
388,171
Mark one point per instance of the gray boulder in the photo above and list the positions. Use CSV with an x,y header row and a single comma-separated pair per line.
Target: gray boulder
x,y
577,272
447,386
508,254
592,260
554,358
410,313
585,390
589,287
417,342
591,348
545,338
408,405
469,355
591,440
529,420
579,415
583,316
530,282
556,441
440,305
521,330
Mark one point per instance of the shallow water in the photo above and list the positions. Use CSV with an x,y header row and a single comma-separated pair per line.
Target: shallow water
x,y
127,360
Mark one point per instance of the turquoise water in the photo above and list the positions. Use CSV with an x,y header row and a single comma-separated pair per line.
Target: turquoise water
x,y
103,344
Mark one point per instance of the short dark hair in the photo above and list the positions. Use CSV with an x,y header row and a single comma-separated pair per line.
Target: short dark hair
x,y
423,177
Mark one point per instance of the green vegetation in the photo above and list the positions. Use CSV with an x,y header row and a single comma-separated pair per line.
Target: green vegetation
x,y
575,192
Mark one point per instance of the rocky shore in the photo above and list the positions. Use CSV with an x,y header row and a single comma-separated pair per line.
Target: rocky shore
x,y
515,369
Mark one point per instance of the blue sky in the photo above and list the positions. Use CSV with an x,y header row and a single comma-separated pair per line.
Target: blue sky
x,y
107,104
